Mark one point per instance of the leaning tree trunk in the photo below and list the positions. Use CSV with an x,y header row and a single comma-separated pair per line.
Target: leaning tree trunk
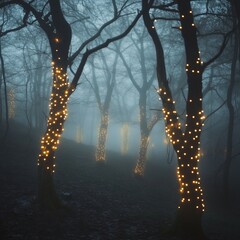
x,y
102,137
50,141
59,40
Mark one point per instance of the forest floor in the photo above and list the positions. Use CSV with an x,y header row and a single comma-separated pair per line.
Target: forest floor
x,y
104,202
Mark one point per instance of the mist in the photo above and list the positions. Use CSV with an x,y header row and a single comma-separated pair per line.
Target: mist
x,y
119,120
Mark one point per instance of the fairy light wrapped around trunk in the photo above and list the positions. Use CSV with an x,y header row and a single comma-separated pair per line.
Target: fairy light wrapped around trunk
x,y
185,139
140,166
102,137
79,135
11,104
57,115
187,146
124,138
146,128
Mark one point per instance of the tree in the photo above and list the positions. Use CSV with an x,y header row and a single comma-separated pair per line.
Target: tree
x,y
103,102
59,35
231,111
142,84
6,104
185,139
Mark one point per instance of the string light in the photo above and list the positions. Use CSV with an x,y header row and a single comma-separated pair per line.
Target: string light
x,y
187,147
124,137
188,176
144,141
100,151
11,104
140,166
79,135
57,116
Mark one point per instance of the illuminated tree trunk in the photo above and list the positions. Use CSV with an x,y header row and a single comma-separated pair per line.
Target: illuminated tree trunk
x,y
59,40
11,103
79,135
185,139
140,166
144,138
102,137
104,104
145,125
124,138
50,141
188,151
145,130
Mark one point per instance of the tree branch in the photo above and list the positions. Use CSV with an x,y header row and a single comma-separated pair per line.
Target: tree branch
x,y
224,43
97,48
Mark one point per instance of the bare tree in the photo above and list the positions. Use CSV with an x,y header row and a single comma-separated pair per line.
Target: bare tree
x,y
142,83
3,80
103,102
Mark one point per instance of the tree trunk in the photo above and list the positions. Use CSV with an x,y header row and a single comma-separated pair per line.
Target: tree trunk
x,y
102,137
140,166
47,196
124,138
50,141
188,224
188,221
185,140
59,39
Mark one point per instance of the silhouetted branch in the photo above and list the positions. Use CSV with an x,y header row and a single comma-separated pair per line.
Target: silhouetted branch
x,y
97,48
224,43
117,14
165,7
215,110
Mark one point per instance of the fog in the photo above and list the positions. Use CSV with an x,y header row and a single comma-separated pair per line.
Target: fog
x,y
122,106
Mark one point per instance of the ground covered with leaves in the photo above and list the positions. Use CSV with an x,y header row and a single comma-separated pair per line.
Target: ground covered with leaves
x,y
103,202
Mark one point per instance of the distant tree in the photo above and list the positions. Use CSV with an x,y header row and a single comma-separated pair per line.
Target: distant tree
x,y
36,67
123,108
3,82
101,88
230,105
142,82
185,139
59,33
